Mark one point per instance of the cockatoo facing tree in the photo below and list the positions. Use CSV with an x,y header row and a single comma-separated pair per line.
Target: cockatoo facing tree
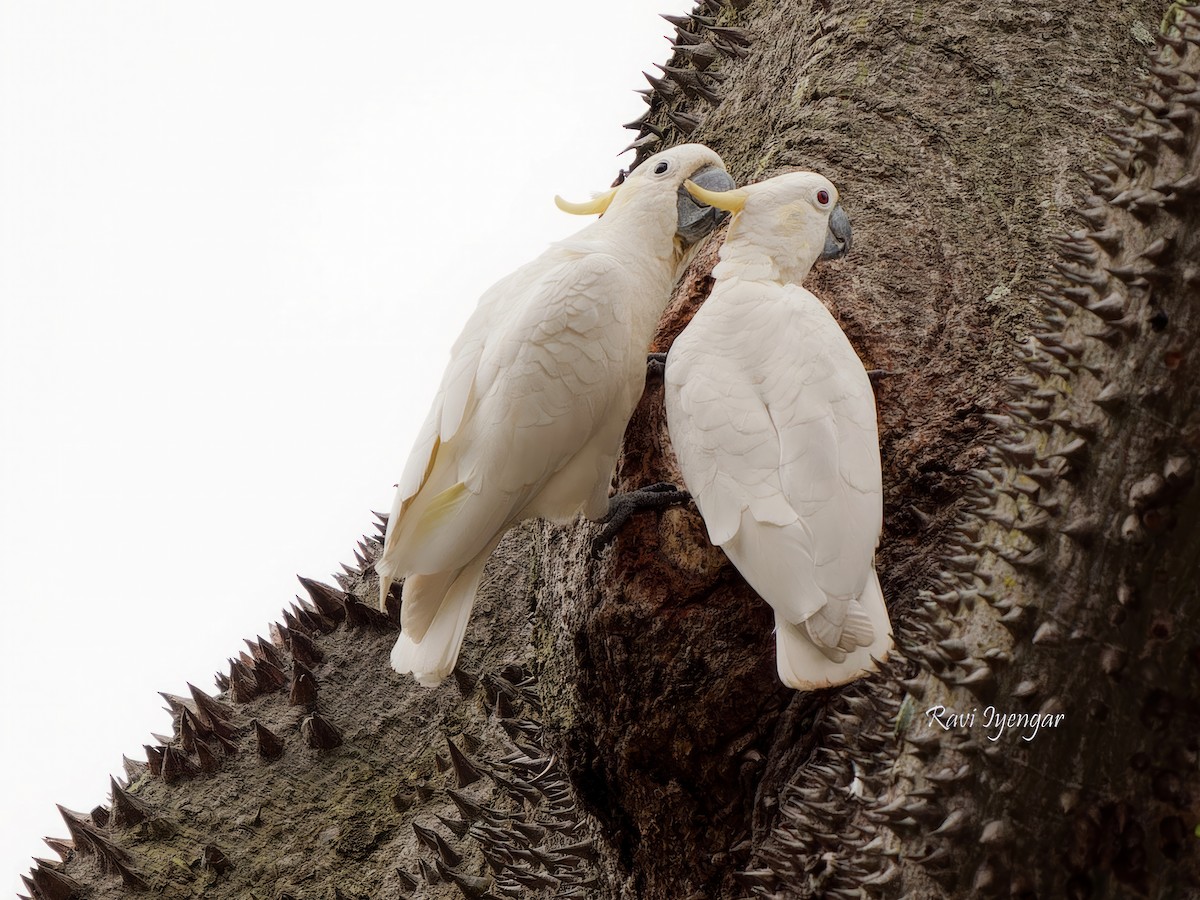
x,y
772,418
531,410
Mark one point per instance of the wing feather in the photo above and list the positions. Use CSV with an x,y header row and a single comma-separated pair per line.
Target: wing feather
x,y
499,427
773,421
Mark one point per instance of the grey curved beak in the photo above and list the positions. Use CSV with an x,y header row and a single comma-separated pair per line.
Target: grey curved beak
x,y
837,239
696,219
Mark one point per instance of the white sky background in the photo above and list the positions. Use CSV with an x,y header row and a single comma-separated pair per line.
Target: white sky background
x,y
236,243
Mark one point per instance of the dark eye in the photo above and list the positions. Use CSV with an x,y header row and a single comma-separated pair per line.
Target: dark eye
x,y
661,167
823,197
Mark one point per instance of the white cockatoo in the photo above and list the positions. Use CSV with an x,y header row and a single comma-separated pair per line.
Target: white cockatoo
x,y
772,418
531,410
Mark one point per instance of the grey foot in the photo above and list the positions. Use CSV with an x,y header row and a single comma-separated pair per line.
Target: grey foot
x,y
877,375
622,506
656,366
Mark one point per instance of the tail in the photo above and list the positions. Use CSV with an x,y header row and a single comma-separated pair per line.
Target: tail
x,y
805,666
434,611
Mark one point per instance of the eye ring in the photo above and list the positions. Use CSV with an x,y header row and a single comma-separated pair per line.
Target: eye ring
x,y
823,197
662,167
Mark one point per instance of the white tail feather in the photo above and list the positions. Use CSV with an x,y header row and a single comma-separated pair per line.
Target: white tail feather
x,y
433,657
858,630
805,666
422,600
836,639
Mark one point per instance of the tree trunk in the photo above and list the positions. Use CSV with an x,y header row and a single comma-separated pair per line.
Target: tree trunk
x,y
616,728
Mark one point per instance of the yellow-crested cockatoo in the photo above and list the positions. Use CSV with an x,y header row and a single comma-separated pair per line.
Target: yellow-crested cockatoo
x,y
772,418
531,410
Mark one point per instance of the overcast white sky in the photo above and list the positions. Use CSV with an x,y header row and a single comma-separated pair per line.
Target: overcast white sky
x,y
236,243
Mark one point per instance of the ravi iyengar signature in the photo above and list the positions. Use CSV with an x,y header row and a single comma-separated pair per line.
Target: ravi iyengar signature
x,y
994,722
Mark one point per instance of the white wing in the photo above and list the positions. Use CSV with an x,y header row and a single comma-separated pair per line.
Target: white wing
x,y
528,384
455,391
772,417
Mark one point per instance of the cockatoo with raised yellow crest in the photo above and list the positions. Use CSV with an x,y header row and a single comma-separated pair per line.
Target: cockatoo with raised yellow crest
x,y
772,418
531,410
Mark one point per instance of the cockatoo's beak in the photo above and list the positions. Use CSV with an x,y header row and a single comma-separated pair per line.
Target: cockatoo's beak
x,y
697,217
837,239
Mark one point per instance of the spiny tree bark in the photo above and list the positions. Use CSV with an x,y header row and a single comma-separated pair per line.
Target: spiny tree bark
x,y
955,141
616,728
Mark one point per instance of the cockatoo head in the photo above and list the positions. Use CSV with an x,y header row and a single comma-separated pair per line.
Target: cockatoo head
x,y
654,193
794,219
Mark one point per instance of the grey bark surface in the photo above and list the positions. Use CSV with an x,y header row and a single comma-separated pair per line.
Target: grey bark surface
x,y
616,728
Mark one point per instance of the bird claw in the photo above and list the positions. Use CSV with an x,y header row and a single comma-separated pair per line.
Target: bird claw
x,y
622,506
877,375
656,367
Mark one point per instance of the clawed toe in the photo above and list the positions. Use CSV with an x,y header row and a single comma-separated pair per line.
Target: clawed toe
x,y
622,506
